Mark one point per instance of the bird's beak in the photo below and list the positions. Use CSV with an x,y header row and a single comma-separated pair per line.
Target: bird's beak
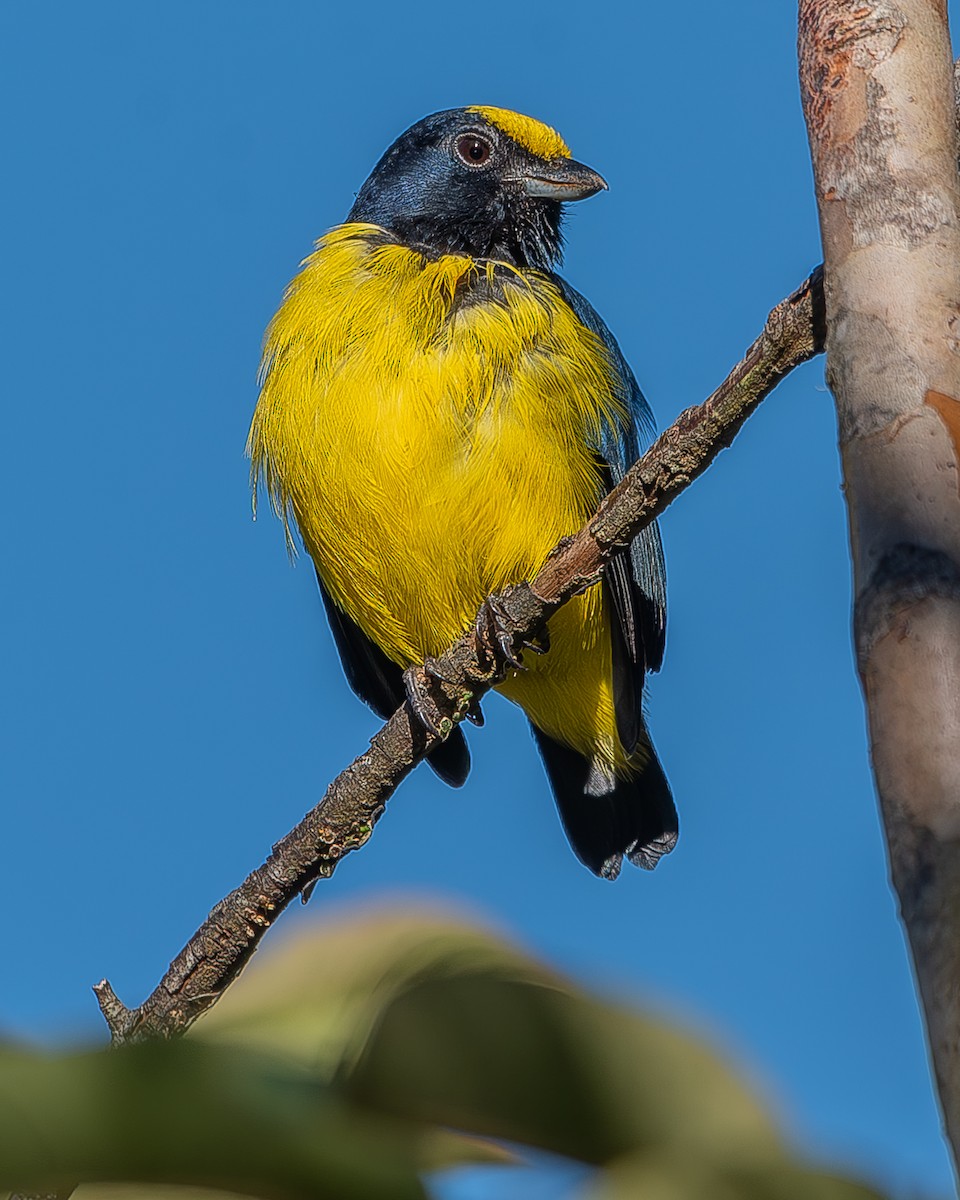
x,y
562,179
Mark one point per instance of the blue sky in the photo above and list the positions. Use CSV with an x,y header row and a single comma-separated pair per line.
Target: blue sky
x,y
172,701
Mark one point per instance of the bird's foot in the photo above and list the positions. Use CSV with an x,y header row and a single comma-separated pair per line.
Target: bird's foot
x,y
433,669
420,686
418,682
539,644
494,641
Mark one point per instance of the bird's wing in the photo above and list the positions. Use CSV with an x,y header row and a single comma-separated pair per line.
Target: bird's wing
x,y
638,593
378,681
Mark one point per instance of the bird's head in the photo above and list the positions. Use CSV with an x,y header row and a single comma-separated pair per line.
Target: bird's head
x,y
480,181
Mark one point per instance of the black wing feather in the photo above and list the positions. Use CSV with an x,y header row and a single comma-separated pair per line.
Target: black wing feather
x,y
650,575
645,614
378,681
627,648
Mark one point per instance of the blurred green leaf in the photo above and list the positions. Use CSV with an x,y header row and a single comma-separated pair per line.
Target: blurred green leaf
x,y
148,1191
438,1149
668,1178
441,1022
318,996
347,1062
187,1113
526,1061
435,1021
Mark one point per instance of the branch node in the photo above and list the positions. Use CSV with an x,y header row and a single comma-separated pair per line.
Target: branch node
x,y
120,1020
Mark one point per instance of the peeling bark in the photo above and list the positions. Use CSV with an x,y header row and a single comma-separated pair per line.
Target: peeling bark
x,y
878,96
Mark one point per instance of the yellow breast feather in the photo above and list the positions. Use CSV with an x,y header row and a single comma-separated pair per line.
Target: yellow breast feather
x,y
427,423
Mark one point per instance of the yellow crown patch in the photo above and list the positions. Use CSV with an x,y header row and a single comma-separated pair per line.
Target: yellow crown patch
x,y
532,135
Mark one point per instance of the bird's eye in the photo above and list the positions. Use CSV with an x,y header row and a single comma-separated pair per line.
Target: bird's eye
x,y
472,149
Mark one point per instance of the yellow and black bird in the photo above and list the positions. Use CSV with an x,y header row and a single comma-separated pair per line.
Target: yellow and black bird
x,y
438,408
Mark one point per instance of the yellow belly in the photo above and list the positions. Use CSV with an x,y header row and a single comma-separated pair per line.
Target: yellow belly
x,y
427,425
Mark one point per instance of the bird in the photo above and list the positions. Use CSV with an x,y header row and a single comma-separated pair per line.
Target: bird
x,y
438,408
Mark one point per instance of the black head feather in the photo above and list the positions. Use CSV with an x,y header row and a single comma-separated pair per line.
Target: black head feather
x,y
457,183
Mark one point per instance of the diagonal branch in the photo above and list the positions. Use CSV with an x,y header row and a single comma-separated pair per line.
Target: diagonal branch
x,y
354,802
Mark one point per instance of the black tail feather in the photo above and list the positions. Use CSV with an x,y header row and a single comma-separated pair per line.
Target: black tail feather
x,y
607,819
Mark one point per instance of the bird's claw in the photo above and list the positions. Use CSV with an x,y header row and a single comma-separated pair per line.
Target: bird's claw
x,y
433,669
494,645
494,642
419,684
541,643
416,683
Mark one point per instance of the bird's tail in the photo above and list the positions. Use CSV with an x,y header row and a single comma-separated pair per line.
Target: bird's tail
x,y
606,817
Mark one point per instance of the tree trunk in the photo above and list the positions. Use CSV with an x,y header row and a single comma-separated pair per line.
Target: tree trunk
x,y
877,86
